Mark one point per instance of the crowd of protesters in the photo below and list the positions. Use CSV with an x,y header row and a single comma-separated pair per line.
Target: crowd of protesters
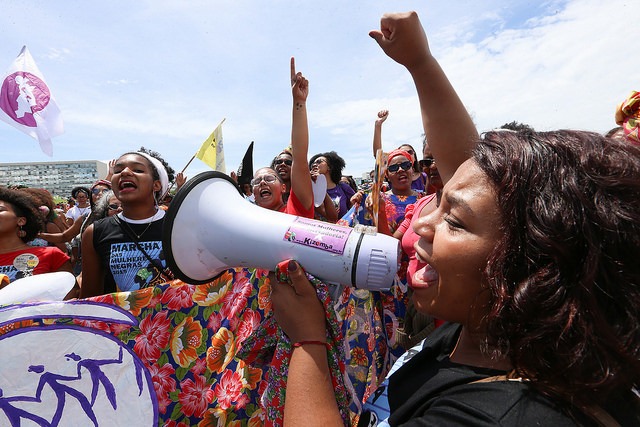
x,y
519,285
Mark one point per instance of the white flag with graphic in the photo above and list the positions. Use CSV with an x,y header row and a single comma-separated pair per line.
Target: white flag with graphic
x,y
26,102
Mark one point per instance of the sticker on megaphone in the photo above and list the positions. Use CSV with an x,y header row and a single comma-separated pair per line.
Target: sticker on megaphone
x,y
209,228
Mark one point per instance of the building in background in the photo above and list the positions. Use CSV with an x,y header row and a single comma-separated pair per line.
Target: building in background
x,y
57,177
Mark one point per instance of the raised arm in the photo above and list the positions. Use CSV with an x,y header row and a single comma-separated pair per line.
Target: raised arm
x,y
449,129
67,234
377,131
300,176
112,164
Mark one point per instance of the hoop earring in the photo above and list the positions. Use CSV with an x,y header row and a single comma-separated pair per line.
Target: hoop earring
x,y
21,233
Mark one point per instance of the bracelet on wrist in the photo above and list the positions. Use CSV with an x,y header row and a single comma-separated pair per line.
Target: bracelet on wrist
x,y
301,343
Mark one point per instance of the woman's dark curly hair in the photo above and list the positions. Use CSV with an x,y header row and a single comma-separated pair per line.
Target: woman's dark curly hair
x,y
42,197
565,275
334,161
24,206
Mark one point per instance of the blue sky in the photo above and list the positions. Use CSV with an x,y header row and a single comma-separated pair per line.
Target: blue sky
x,y
163,74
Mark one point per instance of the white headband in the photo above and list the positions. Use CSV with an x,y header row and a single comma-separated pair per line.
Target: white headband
x,y
162,172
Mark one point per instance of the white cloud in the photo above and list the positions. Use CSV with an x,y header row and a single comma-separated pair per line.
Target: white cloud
x,y
163,73
58,54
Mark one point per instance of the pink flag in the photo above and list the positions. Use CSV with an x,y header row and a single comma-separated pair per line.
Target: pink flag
x,y
27,104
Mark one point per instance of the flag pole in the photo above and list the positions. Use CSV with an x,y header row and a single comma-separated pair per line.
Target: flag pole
x,y
188,163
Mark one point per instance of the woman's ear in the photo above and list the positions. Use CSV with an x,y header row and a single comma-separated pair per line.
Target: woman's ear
x,y
157,185
22,221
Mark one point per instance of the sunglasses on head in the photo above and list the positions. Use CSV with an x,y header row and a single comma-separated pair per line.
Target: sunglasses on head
x,y
281,161
426,163
406,165
114,207
266,178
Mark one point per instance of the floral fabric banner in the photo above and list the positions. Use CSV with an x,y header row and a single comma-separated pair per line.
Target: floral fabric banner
x,y
168,355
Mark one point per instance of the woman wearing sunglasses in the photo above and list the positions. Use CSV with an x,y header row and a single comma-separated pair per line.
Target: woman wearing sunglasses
x,y
282,165
268,186
419,179
82,207
330,164
398,175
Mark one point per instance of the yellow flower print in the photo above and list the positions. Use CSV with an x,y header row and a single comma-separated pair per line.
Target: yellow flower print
x,y
222,350
185,340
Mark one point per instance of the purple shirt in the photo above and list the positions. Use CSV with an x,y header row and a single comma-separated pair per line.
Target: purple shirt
x,y
341,195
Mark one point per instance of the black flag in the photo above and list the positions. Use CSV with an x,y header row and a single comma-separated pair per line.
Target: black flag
x,y
245,170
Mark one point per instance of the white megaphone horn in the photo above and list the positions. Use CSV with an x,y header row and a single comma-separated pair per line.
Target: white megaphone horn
x,y
209,228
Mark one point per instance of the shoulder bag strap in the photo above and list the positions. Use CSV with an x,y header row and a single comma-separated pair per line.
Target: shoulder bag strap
x,y
162,270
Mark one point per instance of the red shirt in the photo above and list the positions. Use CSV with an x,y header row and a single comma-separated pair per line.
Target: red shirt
x,y
31,261
294,207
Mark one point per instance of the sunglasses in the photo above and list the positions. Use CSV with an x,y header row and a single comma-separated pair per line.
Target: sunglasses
x,y
281,161
426,163
411,152
266,178
406,165
97,191
317,162
114,207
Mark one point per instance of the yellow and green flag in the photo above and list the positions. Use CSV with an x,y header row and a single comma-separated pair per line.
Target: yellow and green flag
x,y
212,151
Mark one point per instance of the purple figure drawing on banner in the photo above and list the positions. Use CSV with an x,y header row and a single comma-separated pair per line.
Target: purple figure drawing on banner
x,y
85,376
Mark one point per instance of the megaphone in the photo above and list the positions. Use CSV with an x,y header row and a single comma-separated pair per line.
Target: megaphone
x,y
209,228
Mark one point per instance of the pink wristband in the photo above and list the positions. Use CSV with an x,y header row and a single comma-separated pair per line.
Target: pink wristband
x,y
301,343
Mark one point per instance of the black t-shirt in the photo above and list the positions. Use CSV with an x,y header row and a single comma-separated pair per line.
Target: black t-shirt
x,y
126,267
430,390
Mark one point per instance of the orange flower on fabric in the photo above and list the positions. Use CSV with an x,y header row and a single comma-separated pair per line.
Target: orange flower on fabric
x,y
213,292
185,340
222,350
264,297
257,419
215,417
250,376
359,356
134,301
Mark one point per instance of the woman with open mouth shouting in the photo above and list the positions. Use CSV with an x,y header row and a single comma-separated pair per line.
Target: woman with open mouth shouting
x,y
530,255
124,252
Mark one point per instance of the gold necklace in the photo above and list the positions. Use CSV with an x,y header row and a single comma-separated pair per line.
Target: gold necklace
x,y
138,236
